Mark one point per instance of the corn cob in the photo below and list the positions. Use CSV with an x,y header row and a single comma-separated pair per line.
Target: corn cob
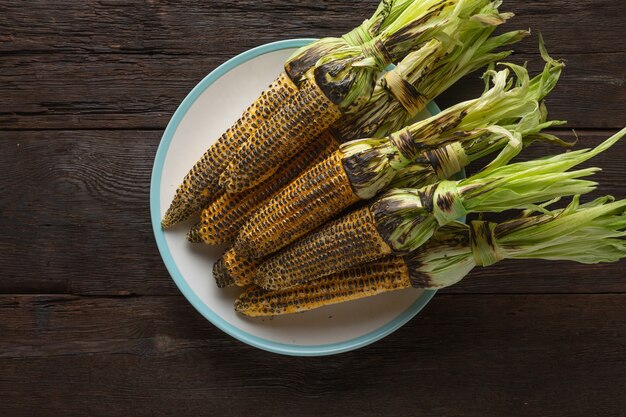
x,y
232,269
385,275
353,238
222,219
201,184
404,219
362,168
588,233
276,225
340,83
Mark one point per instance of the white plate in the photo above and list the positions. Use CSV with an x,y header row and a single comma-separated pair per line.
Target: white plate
x,y
209,109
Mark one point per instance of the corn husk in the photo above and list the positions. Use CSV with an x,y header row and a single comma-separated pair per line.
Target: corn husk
x,y
407,218
347,76
586,233
404,91
305,58
509,115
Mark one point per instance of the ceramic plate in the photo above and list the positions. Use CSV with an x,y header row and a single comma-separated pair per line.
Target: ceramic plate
x,y
209,109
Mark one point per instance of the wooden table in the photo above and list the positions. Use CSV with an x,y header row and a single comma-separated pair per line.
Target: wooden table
x,y
91,323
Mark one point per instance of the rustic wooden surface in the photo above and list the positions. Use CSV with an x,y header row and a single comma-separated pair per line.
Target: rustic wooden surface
x,y
92,324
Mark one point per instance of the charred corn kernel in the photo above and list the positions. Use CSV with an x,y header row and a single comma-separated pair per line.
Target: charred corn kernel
x,y
223,219
385,275
232,269
201,184
348,241
301,206
220,274
292,127
194,235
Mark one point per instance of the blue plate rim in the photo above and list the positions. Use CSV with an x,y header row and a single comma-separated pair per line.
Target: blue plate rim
x,y
181,283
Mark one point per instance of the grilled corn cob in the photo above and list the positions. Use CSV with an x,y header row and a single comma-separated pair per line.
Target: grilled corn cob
x,y
362,168
377,277
201,184
340,83
404,219
588,233
222,219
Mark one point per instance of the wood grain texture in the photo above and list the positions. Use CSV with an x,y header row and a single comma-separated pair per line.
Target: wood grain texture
x,y
128,65
201,28
86,89
75,219
469,355
138,91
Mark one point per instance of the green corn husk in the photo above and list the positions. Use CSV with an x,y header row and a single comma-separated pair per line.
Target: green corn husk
x,y
347,76
588,233
407,218
510,115
304,58
404,91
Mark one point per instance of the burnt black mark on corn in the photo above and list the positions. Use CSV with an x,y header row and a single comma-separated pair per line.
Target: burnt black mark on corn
x,y
484,230
435,158
357,167
426,198
503,229
386,224
434,66
409,94
382,16
297,67
413,29
428,133
445,201
195,233
225,218
481,232
325,77
348,241
201,184
355,126
418,278
307,114
379,51
407,145
221,275
385,274
389,216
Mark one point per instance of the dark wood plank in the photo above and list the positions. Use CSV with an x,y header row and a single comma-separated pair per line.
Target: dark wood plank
x,y
79,82
75,212
203,28
138,91
463,355
75,219
94,69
